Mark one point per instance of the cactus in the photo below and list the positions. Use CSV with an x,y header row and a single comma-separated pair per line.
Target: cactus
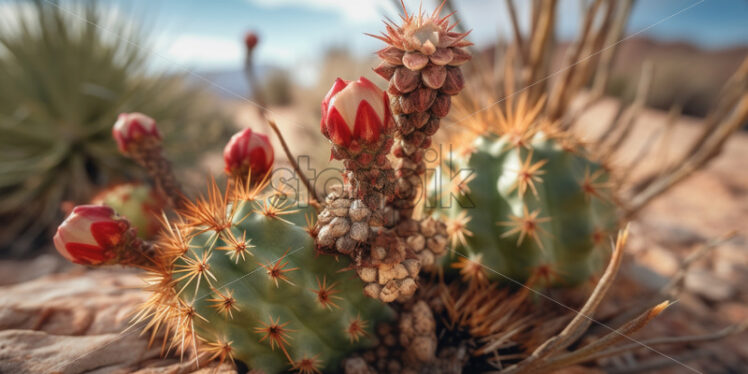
x,y
137,202
529,202
250,286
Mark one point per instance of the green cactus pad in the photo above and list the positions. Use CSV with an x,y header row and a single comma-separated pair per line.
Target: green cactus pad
x,y
264,302
555,199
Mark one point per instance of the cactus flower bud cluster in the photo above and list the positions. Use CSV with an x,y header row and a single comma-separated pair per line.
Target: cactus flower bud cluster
x,y
388,246
92,235
249,153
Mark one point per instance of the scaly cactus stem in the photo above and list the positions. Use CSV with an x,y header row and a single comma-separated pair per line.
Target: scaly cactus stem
x,y
140,253
149,155
421,63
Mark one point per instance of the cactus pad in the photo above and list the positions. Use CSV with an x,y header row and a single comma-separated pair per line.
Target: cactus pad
x,y
240,281
527,205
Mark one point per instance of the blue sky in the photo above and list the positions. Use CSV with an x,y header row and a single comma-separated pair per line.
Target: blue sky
x,y
206,35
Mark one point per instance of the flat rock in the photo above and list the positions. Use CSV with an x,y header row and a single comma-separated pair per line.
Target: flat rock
x,y
73,323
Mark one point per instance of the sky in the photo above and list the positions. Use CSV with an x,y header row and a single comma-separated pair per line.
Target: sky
x,y
206,35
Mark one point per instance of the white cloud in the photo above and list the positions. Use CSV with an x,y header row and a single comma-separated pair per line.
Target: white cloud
x,y
350,10
204,51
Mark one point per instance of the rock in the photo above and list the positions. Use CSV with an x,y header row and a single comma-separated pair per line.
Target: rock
x,y
708,286
646,277
661,260
76,322
12,272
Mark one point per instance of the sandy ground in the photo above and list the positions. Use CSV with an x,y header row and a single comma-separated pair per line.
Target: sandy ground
x,y
42,316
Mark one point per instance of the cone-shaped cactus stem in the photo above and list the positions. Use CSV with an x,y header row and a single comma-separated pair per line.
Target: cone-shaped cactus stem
x,y
421,62
95,235
138,138
249,154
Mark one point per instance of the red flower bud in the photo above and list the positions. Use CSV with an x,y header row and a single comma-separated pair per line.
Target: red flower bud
x,y
132,127
91,235
355,112
248,150
250,40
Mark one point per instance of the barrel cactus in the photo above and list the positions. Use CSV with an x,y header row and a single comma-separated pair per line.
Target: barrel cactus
x,y
245,283
526,200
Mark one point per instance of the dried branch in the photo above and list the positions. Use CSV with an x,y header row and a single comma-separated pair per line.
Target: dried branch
x,y
518,39
672,118
292,161
596,47
626,124
729,96
730,114
581,320
539,48
614,36
263,112
711,147
587,352
560,97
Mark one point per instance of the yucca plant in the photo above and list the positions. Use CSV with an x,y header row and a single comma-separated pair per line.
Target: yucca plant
x,y
67,69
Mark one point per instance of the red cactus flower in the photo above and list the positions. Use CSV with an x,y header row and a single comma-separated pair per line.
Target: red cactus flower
x,y
250,40
248,150
355,111
132,127
91,235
